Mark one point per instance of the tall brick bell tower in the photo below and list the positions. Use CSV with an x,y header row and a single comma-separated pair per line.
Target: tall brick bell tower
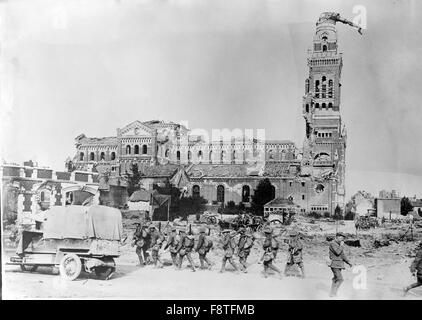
x,y
324,147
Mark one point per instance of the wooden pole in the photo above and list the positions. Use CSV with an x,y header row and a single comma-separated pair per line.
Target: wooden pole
x,y
168,209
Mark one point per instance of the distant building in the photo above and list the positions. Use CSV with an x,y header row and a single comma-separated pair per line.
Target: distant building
x,y
417,205
388,208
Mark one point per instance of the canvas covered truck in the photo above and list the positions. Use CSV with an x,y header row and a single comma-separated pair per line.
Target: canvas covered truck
x,y
74,239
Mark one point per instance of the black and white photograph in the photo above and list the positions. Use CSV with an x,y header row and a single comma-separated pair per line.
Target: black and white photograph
x,y
211,150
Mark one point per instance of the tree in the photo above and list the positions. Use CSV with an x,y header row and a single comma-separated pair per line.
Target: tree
x,y
133,180
262,194
405,206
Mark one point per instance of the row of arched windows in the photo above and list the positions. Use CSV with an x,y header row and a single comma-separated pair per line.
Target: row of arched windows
x,y
246,193
321,88
136,149
92,156
223,155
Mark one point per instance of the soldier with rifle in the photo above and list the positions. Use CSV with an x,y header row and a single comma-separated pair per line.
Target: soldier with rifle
x,y
338,258
245,244
156,243
295,253
141,239
184,248
203,247
229,246
172,243
270,247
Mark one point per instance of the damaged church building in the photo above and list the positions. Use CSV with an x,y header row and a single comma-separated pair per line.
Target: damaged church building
x,y
229,169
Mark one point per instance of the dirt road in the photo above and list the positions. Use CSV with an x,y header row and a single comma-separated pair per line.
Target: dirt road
x,y
132,282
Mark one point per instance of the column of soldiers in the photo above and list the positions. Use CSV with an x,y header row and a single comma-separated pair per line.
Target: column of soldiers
x,y
149,242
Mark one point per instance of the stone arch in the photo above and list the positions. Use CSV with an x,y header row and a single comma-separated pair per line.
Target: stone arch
x,y
246,193
199,156
113,156
81,156
136,149
128,149
92,156
196,191
144,149
102,156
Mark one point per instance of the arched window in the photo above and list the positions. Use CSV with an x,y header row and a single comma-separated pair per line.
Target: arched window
x,y
199,156
283,154
330,88
316,88
210,157
246,191
330,105
92,156
113,156
144,149
167,153
196,191
324,48
234,156
307,108
270,155
178,155
81,156
136,149
324,86
128,149
189,156
220,193
222,156
272,192
102,156
324,106
317,105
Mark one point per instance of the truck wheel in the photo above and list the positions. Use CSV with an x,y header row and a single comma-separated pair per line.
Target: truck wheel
x,y
28,268
70,267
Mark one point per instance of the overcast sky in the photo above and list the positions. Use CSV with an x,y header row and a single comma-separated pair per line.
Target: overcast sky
x,y
71,67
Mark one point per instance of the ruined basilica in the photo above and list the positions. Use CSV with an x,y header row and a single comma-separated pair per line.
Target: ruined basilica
x,y
229,169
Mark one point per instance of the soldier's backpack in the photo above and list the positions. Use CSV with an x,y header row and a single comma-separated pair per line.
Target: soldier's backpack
x,y
189,243
208,244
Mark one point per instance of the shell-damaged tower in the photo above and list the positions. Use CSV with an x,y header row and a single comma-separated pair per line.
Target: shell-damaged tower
x,y
324,148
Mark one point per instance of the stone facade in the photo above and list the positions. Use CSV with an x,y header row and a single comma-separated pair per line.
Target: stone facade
x,y
28,190
229,168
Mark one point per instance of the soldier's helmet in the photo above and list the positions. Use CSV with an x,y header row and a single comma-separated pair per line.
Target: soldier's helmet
x,y
225,231
202,230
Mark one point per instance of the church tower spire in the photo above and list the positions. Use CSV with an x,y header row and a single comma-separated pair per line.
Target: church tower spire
x,y
325,140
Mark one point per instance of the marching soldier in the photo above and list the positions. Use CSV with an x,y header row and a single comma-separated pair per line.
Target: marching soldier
x,y
141,239
416,270
245,244
270,247
184,248
338,258
172,243
229,246
203,247
295,253
156,243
